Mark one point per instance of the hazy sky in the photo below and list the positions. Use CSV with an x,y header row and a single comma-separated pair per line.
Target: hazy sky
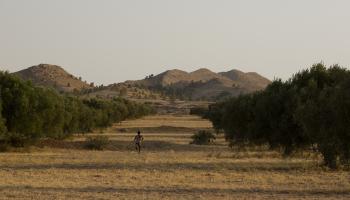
x,y
110,41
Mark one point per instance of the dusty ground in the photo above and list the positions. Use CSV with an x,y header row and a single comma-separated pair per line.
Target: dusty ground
x,y
168,168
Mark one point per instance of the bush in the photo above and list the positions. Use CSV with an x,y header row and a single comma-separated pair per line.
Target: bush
x,y
203,138
96,143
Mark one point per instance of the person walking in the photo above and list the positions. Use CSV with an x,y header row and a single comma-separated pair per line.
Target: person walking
x,y
138,140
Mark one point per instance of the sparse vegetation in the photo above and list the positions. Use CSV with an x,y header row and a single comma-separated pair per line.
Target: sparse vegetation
x,y
202,84
168,168
46,75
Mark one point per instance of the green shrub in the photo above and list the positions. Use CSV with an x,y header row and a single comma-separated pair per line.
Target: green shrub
x,y
311,109
96,143
29,113
203,138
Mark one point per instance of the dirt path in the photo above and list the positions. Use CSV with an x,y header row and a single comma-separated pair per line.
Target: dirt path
x,y
168,168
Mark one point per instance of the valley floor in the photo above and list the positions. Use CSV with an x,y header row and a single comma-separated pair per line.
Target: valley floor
x,y
168,168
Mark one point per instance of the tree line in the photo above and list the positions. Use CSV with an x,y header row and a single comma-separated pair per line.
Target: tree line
x,y
28,113
309,110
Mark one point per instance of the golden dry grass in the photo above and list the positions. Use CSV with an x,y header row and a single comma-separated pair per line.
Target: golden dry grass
x,y
168,168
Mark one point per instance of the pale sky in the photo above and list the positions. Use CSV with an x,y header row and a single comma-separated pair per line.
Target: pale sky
x,y
109,41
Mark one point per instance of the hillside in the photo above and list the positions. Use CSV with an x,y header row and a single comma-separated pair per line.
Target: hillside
x,y
178,77
251,81
203,83
52,76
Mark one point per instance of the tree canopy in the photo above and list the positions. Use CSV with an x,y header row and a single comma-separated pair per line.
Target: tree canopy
x,y
311,109
28,113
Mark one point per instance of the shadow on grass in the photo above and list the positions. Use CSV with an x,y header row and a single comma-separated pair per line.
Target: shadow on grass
x,y
183,191
158,129
247,166
127,146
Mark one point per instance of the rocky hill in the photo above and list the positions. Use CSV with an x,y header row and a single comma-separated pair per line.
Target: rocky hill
x,y
53,76
251,81
203,83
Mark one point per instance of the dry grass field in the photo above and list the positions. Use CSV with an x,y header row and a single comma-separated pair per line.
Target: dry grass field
x,y
168,168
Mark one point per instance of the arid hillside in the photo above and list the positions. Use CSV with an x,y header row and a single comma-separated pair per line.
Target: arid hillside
x,y
249,80
53,76
203,83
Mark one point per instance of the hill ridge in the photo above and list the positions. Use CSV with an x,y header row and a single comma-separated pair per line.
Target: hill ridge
x,y
195,85
204,83
54,76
